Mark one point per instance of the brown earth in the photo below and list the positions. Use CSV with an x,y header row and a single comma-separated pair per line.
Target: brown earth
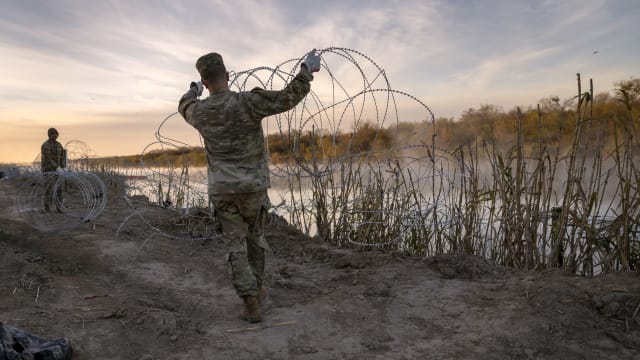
x,y
142,295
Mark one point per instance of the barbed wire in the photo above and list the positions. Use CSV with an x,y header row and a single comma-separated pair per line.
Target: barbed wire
x,y
360,96
54,201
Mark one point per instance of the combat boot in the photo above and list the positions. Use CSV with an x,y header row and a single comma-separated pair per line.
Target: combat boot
x,y
252,312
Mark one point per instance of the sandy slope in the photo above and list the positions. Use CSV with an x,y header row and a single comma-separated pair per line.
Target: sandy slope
x,y
141,297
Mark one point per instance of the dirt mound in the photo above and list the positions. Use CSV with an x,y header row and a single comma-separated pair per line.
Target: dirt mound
x,y
462,266
144,295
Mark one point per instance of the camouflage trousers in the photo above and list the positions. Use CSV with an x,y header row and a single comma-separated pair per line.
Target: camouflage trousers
x,y
242,218
51,196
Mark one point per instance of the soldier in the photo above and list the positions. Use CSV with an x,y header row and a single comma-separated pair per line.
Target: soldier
x,y
231,125
52,158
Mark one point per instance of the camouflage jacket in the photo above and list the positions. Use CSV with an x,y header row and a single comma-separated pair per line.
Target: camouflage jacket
x,y
51,156
231,125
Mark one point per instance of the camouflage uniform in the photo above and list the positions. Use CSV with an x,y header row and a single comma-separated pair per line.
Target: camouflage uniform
x,y
51,158
231,125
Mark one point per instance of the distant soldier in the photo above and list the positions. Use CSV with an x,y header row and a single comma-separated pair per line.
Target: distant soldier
x,y
231,125
52,158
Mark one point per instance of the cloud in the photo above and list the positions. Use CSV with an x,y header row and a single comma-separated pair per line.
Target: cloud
x,y
69,61
502,66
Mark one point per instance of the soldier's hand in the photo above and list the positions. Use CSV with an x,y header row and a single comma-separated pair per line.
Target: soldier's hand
x,y
312,61
197,86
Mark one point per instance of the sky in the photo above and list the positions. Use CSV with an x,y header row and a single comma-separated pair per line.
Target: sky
x,y
107,73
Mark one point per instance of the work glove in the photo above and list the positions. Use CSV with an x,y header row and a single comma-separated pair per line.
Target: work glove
x,y
312,61
197,86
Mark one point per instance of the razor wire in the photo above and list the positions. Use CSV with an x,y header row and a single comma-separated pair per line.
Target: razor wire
x,y
62,200
352,93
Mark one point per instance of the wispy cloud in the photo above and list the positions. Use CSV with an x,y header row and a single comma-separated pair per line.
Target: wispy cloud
x,y
489,71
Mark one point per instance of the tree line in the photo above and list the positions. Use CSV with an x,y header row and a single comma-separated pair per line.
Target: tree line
x,y
550,123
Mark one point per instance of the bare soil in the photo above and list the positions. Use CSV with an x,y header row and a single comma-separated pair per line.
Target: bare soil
x,y
146,296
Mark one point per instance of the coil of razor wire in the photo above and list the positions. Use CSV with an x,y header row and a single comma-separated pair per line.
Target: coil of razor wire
x,y
348,108
54,201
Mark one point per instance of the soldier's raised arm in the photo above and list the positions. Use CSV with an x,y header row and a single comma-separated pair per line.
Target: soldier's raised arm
x,y
266,102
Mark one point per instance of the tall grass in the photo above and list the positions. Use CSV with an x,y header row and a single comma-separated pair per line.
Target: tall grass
x,y
526,206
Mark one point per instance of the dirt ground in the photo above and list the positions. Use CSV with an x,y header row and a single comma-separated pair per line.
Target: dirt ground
x,y
138,296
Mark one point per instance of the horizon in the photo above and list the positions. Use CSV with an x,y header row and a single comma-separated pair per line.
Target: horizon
x,y
108,73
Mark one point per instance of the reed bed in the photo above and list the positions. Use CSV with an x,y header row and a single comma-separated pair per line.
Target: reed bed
x,y
524,206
